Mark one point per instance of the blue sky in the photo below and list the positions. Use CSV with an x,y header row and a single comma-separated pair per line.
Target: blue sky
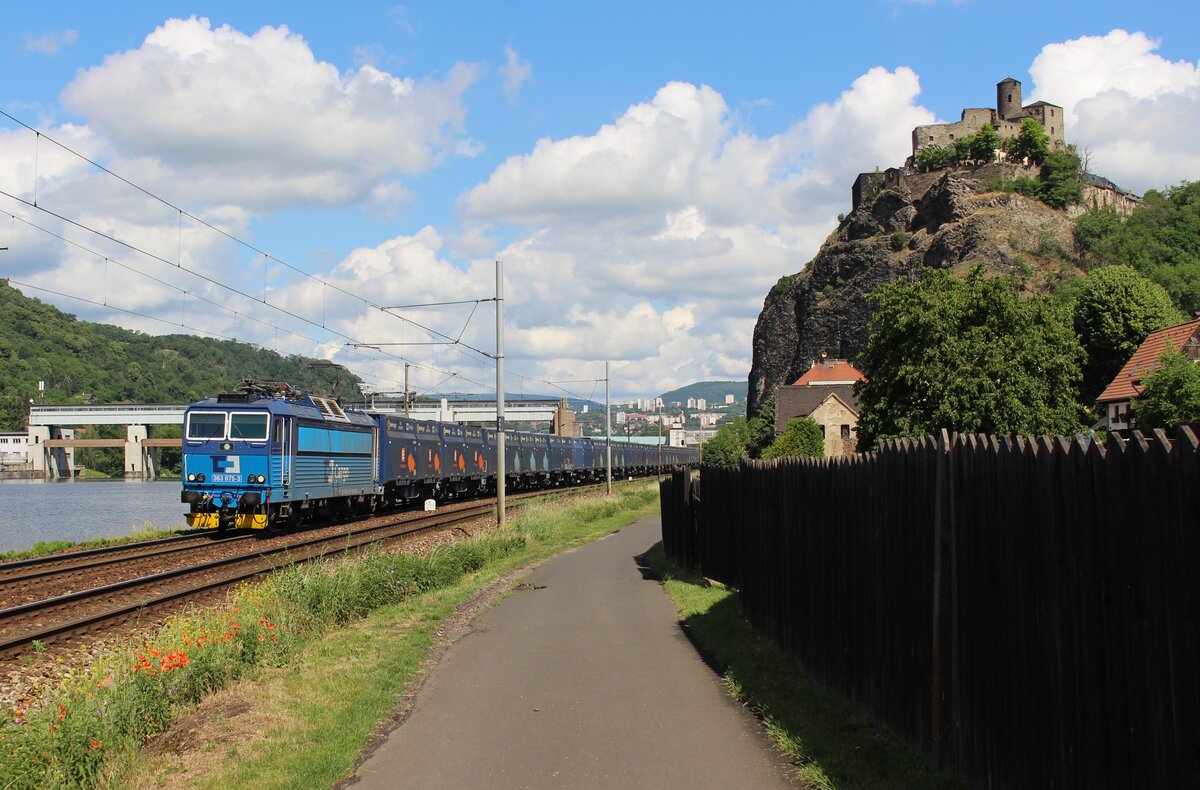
x,y
646,171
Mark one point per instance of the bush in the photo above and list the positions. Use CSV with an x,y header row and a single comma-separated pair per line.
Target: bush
x,y
935,157
899,240
802,438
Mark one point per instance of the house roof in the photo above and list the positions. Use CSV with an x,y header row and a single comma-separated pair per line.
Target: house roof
x,y
1126,384
794,401
828,372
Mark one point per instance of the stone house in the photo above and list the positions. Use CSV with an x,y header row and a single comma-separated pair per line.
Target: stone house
x,y
826,394
1116,402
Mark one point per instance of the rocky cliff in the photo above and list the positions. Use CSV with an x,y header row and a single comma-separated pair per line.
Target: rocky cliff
x,y
945,220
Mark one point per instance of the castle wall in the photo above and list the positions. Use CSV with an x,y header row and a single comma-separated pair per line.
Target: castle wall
x,y
944,134
1099,197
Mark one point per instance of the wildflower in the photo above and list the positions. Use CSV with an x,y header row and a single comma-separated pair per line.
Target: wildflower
x,y
62,711
96,744
262,638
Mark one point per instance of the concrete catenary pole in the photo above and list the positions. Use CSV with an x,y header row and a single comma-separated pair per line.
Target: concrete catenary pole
x,y
608,429
500,482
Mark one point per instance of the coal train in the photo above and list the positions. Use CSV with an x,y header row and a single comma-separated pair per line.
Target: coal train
x,y
269,456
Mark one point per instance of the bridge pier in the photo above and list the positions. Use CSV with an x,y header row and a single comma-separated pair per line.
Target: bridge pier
x,y
141,462
51,463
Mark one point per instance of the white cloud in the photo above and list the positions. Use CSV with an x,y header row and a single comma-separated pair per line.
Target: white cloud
x,y
654,239
1134,111
51,43
516,73
258,120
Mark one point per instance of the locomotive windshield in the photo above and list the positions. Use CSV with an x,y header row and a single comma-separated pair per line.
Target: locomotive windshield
x,y
244,426
206,425
251,427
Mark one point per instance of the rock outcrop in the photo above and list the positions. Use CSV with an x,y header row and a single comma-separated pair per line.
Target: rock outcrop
x,y
946,221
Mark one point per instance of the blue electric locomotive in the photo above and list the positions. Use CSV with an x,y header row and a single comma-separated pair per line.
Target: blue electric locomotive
x,y
269,455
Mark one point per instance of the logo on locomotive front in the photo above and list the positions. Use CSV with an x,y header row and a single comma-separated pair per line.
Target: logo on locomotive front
x,y
226,469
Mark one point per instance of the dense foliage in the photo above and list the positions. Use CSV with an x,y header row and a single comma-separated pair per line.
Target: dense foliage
x,y
801,438
1171,394
82,362
1161,239
1115,309
967,355
741,438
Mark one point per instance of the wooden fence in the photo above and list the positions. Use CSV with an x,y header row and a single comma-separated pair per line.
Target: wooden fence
x,y
1024,612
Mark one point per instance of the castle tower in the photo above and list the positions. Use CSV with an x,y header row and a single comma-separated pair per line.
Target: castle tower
x,y
1008,98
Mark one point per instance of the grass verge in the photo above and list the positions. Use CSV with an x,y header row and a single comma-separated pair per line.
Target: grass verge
x,y
831,742
45,547
285,685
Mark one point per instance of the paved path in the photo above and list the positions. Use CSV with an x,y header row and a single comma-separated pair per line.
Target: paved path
x,y
586,681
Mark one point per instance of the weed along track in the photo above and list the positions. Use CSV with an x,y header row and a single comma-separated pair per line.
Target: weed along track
x,y
65,597
102,606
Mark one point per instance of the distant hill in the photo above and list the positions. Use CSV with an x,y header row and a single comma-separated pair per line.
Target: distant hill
x,y
711,391
39,342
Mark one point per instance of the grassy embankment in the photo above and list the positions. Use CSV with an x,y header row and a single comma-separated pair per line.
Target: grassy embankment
x,y
285,685
832,743
45,547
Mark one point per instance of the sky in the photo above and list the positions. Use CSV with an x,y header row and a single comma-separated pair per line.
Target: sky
x,y
297,175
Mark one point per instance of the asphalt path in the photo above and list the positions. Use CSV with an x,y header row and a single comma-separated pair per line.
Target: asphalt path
x,y
581,678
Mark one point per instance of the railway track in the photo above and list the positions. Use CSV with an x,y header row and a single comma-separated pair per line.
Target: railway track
x,y
94,608
85,611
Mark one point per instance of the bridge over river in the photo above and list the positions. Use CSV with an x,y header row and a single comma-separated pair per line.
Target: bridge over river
x,y
52,439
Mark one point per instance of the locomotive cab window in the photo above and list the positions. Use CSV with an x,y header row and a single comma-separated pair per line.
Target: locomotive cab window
x,y
206,425
248,427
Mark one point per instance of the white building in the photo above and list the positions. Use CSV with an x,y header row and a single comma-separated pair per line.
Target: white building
x,y
729,399
14,446
701,404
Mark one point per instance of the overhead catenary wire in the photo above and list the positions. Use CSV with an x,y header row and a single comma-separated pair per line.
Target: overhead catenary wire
x,y
178,264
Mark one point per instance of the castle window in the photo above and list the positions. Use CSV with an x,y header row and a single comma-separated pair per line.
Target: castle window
x,y
951,137
1051,130
1009,97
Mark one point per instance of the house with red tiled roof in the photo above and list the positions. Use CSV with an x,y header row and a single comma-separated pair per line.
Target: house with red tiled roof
x,y
1116,402
826,394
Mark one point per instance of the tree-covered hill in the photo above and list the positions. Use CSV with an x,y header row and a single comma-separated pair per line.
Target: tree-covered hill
x,y
79,360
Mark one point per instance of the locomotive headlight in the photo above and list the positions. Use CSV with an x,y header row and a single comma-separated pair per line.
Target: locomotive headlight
x,y
262,479
191,478
200,478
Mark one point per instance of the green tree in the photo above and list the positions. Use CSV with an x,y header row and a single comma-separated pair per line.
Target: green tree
x,y
968,355
1062,182
802,438
1171,394
1115,309
1032,142
983,144
1161,239
1093,230
729,446
762,427
935,157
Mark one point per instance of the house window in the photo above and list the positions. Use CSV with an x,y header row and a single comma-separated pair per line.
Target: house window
x,y
822,431
845,433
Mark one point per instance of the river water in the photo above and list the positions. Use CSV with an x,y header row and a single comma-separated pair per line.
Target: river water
x,y
75,510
